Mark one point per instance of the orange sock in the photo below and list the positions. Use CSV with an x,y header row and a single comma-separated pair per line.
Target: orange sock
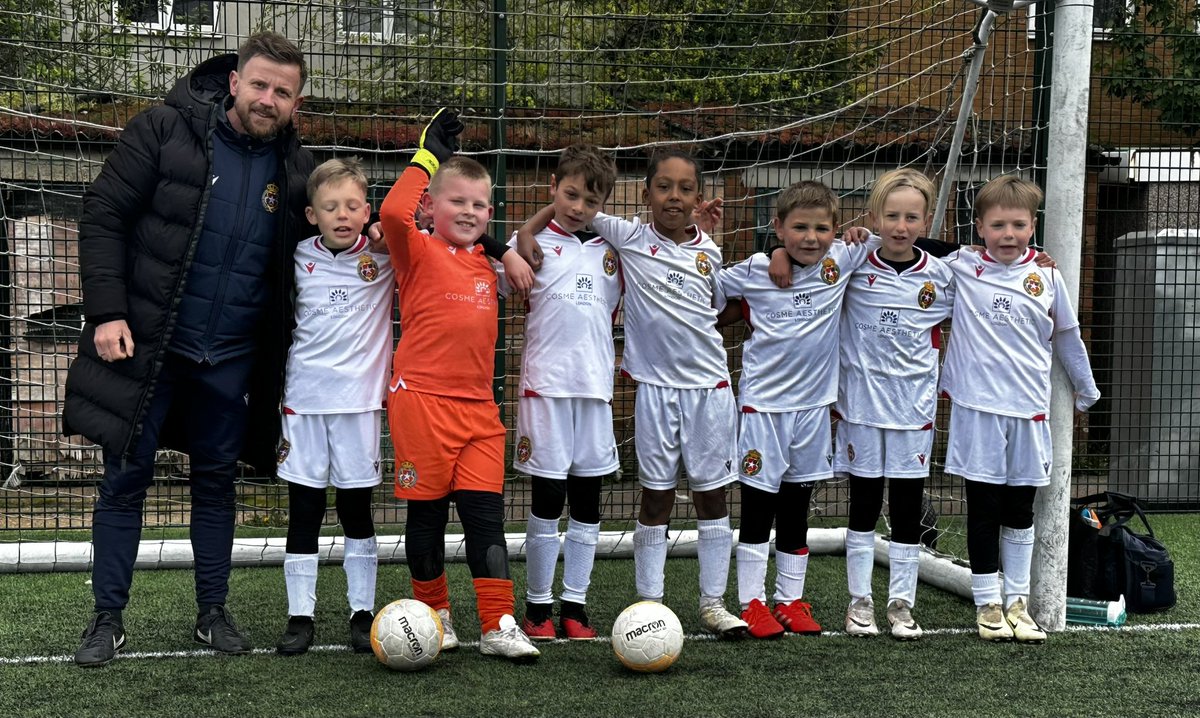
x,y
435,593
494,598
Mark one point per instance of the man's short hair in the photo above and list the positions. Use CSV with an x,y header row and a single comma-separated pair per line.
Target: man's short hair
x,y
274,47
1010,192
598,170
336,171
459,166
893,180
807,194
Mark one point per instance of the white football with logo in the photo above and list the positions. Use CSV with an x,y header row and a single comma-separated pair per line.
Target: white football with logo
x,y
647,637
406,635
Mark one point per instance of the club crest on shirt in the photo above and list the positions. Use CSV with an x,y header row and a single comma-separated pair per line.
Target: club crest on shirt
x,y
270,197
524,449
926,296
406,475
703,264
610,262
368,270
282,449
830,271
1033,285
850,451
752,463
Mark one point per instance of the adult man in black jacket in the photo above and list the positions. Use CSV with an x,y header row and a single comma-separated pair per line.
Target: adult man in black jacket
x,y
185,247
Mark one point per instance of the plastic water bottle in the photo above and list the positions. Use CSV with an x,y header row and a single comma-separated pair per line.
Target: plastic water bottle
x,y
1096,613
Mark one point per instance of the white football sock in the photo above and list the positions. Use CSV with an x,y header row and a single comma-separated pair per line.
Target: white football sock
x,y
714,546
790,570
650,560
1016,557
360,561
541,556
300,576
752,572
579,553
985,587
903,560
860,562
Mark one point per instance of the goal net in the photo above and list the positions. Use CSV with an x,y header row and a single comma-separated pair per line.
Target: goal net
x,y
765,92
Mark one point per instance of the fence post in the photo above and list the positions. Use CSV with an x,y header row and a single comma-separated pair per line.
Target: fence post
x,y
500,195
1066,181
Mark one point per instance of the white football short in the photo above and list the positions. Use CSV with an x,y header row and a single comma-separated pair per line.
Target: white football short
x,y
561,437
996,449
341,450
685,429
874,452
791,446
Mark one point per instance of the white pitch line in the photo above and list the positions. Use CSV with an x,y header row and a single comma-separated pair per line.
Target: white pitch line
x,y
201,652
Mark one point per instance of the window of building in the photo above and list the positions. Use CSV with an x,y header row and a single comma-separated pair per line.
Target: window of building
x,y
386,20
168,15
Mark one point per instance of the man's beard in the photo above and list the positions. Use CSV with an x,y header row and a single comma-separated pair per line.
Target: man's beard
x,y
247,117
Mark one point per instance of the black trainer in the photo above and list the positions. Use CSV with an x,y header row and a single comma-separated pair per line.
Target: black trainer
x,y
297,637
102,639
360,631
215,628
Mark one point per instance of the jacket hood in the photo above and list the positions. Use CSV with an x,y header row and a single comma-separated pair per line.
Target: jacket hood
x,y
196,92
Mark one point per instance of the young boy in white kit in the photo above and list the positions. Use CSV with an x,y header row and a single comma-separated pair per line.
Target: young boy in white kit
x,y
1010,318
333,399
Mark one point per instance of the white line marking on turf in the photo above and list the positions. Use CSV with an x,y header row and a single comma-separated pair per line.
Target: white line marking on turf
x,y
202,652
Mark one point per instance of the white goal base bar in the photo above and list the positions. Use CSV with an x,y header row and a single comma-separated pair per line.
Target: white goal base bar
x,y
45,556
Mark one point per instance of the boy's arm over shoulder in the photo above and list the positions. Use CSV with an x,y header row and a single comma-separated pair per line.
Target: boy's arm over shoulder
x,y
732,280
616,230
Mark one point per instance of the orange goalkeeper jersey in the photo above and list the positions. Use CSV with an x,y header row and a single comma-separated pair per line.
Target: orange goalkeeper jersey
x,y
448,303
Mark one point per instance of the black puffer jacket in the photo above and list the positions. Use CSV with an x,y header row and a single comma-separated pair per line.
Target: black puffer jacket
x,y
141,220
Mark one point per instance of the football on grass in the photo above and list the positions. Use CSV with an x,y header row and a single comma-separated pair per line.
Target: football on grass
x,y
647,637
406,635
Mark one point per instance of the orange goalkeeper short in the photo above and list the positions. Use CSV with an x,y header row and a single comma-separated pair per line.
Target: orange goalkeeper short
x,y
443,444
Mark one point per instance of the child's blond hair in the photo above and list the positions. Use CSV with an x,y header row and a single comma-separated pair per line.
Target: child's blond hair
x,y
336,171
893,180
459,166
807,194
1009,192
598,170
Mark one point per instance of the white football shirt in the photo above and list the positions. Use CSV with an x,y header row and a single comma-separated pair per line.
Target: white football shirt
x,y
568,350
671,336
790,361
338,362
1004,321
889,342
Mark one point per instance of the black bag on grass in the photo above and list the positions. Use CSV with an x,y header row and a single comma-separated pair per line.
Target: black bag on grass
x,y
1107,558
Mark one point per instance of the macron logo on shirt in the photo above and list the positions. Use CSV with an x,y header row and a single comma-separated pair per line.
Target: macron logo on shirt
x,y
310,266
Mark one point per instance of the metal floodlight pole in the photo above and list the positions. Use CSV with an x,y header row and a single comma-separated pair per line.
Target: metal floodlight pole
x,y
1066,182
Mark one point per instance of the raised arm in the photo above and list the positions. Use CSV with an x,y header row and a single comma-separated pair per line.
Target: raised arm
x,y
438,142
